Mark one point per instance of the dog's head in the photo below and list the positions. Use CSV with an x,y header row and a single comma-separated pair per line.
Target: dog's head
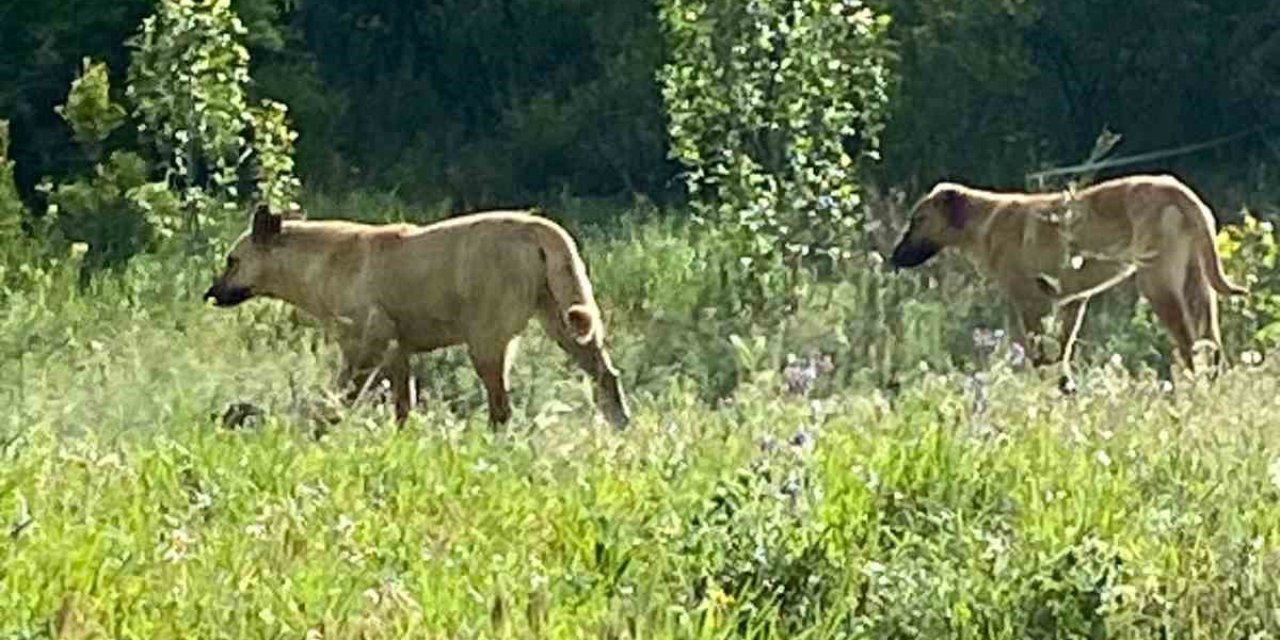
x,y
249,264
937,221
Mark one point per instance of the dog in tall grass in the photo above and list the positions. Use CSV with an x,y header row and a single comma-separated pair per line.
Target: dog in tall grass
x,y
395,290
1050,253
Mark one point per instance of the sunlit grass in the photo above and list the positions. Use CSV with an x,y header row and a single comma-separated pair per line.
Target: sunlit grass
x,y
945,504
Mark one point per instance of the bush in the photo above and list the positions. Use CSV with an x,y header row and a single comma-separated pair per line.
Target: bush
x,y
117,212
1249,255
758,545
12,211
772,106
188,84
89,109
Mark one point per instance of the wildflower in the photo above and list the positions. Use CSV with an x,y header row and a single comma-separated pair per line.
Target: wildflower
x,y
801,374
802,440
1103,458
987,339
768,444
1017,355
178,547
977,384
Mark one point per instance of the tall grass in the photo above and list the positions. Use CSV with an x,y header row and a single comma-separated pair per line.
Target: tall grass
x,y
918,486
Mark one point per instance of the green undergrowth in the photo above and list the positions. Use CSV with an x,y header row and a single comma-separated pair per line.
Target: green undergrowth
x,y
853,462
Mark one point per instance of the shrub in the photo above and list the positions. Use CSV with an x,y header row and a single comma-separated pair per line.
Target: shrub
x,y
12,210
117,212
89,109
1249,254
758,545
772,106
272,143
188,83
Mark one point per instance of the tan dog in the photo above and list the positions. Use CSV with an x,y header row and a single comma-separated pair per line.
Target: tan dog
x,y
395,290
1052,252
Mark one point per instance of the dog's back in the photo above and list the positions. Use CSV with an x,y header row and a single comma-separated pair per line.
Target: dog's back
x,y
457,280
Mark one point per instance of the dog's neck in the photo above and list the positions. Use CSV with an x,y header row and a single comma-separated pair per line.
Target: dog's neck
x,y
987,208
301,263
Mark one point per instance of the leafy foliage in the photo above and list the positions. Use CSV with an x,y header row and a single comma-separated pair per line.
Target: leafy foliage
x,y
759,543
992,88
188,85
89,109
272,145
117,212
772,106
1250,255
499,102
12,211
187,82
956,505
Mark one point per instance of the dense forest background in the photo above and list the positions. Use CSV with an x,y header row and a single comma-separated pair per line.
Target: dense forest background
x,y
491,102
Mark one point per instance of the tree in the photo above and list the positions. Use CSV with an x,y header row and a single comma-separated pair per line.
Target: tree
x,y
772,106
89,110
188,83
11,209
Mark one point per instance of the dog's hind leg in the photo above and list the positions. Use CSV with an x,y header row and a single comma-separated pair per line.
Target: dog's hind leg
x,y
370,354
396,366
492,362
1171,308
1202,303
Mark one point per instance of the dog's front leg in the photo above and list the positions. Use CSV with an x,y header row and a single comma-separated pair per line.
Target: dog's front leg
x,y
1033,330
1031,310
356,373
397,368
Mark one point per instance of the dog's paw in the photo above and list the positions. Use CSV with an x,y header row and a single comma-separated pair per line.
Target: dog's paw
x,y
1067,385
241,415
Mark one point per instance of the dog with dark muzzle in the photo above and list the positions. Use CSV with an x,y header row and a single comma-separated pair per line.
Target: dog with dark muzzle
x,y
1050,253
396,290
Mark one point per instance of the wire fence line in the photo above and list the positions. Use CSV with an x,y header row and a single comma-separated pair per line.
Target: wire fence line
x,y
1086,167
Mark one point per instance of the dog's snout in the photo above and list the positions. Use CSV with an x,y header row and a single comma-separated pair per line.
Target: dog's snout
x,y
227,296
913,254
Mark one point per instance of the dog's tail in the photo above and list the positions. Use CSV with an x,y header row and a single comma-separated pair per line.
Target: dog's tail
x,y
1207,246
567,281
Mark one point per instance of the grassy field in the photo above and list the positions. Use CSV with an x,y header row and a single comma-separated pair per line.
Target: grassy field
x,y
920,486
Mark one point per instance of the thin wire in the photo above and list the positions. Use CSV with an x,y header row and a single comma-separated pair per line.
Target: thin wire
x,y
1144,157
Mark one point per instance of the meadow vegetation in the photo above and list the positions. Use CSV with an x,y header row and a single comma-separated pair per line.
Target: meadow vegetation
x,y
822,447
856,462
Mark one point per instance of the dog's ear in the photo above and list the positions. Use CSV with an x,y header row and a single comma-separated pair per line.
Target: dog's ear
x,y
954,205
266,225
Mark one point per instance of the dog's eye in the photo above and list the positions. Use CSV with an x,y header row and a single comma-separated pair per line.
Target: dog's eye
x,y
232,262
